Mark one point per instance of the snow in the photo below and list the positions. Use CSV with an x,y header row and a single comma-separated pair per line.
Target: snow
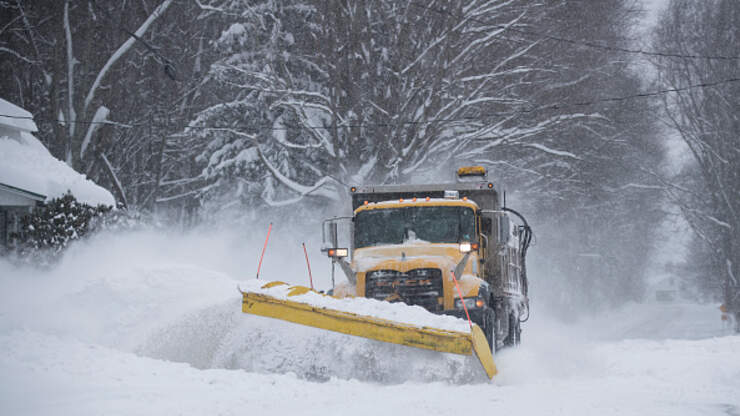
x,y
551,151
370,257
398,312
653,10
15,117
100,117
236,33
431,201
71,377
149,323
28,165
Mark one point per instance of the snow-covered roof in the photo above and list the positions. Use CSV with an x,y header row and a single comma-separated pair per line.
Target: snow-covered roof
x,y
21,192
14,117
26,164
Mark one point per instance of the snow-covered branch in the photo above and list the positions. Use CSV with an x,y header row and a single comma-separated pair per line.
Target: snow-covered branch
x,y
100,116
71,115
114,178
302,190
122,50
546,149
16,54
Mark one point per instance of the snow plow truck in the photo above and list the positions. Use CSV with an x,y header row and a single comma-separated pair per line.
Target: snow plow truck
x,y
452,249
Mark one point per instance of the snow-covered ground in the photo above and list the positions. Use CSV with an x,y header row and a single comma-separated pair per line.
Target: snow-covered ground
x,y
149,323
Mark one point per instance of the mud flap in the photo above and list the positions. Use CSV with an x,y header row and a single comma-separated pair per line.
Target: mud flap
x,y
368,326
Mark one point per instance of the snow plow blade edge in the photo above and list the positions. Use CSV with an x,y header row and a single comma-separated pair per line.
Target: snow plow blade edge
x,y
370,327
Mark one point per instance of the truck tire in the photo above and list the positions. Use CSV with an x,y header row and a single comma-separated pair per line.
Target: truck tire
x,y
515,331
489,328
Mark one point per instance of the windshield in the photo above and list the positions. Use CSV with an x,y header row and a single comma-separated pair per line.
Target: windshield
x,y
429,224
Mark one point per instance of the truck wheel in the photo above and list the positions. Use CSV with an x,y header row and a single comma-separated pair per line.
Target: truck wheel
x,y
515,331
489,328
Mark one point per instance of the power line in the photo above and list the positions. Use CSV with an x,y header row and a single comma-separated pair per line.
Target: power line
x,y
648,93
167,65
578,42
531,110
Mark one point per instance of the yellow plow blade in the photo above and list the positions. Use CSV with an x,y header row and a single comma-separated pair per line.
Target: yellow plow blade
x,y
368,326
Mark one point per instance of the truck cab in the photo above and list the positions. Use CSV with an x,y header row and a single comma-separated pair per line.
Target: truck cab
x,y
449,248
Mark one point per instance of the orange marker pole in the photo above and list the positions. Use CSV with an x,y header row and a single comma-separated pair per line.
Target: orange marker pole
x,y
310,277
459,292
263,250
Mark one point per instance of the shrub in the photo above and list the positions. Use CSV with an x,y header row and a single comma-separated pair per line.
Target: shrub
x,y
49,229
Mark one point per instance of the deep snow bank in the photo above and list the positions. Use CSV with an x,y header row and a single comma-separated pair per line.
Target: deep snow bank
x,y
108,291
169,297
223,337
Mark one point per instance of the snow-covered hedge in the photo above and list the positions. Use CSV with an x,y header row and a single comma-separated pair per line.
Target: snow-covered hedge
x,y
49,229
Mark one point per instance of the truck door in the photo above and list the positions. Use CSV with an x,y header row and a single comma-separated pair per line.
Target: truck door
x,y
490,247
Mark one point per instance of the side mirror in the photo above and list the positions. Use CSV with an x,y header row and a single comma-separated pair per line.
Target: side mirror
x,y
330,240
329,235
486,226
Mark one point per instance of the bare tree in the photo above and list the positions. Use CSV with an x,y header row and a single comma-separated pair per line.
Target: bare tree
x,y
592,198
707,119
375,91
108,83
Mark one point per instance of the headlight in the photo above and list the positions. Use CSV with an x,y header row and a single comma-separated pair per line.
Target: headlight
x,y
470,303
467,247
337,252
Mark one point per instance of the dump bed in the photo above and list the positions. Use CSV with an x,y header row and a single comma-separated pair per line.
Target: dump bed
x,y
483,193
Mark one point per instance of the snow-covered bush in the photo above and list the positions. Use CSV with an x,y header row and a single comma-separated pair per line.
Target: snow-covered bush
x,y
49,229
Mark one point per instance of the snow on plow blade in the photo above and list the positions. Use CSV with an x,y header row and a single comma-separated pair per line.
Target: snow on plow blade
x,y
304,306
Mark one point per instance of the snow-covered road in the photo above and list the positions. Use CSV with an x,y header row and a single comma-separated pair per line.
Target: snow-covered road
x,y
148,333
45,374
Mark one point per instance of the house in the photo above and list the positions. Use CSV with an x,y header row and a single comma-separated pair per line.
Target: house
x,y
14,204
30,175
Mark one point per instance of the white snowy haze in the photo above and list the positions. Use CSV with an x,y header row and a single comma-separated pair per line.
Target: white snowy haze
x,y
149,322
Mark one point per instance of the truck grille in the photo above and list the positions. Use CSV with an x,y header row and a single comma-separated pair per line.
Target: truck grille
x,y
417,287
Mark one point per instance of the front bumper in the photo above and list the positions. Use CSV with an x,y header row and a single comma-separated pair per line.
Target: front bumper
x,y
476,315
